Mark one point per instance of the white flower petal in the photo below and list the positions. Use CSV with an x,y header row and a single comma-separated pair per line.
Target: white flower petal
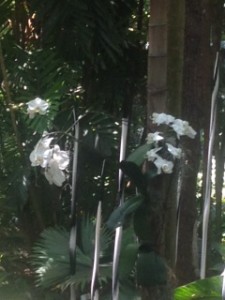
x,y
183,128
176,152
47,156
162,118
53,174
31,113
167,167
190,132
38,155
163,165
61,157
37,106
152,154
154,137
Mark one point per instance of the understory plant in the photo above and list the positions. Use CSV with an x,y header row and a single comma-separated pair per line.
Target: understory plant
x,y
146,267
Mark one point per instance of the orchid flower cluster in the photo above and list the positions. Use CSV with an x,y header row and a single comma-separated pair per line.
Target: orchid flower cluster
x,y
180,127
37,106
53,160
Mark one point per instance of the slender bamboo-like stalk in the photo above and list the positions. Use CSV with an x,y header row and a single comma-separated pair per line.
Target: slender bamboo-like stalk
x,y
219,180
94,281
207,192
118,234
223,285
73,230
95,270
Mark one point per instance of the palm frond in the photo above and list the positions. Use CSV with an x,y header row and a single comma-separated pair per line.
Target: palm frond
x,y
6,8
88,237
100,132
50,260
91,35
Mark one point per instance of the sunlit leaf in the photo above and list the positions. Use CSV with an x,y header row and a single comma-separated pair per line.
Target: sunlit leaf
x,y
205,289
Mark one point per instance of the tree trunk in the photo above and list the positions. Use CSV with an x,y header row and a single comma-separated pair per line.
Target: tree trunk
x,y
176,18
195,109
157,58
176,22
156,102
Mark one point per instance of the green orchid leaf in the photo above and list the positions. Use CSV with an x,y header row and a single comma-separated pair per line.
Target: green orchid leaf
x,y
128,257
117,217
134,173
209,288
151,269
138,156
141,223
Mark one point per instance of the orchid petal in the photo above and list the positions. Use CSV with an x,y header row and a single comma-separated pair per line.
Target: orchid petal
x,y
152,154
163,165
61,157
154,137
162,118
53,174
176,152
38,155
37,106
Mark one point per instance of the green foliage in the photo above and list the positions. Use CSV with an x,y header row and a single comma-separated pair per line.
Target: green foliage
x,y
51,258
205,289
6,7
127,260
92,31
138,156
42,74
20,290
88,235
151,268
134,173
100,132
128,207
74,55
141,224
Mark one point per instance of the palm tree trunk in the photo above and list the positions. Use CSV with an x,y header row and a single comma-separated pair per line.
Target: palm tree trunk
x,y
195,109
157,58
176,18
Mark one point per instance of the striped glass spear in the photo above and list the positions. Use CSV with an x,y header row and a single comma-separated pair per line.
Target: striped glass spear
x,y
120,195
73,230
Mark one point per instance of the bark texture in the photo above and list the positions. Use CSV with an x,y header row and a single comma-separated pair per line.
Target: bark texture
x,y
176,20
157,58
197,82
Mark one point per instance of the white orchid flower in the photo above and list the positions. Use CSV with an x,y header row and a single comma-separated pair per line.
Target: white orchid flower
x,y
183,128
154,137
53,173
190,132
57,162
176,152
38,156
52,159
61,157
162,118
37,106
152,154
163,165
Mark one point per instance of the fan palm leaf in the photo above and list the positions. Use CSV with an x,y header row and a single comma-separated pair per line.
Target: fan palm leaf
x,y
50,258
